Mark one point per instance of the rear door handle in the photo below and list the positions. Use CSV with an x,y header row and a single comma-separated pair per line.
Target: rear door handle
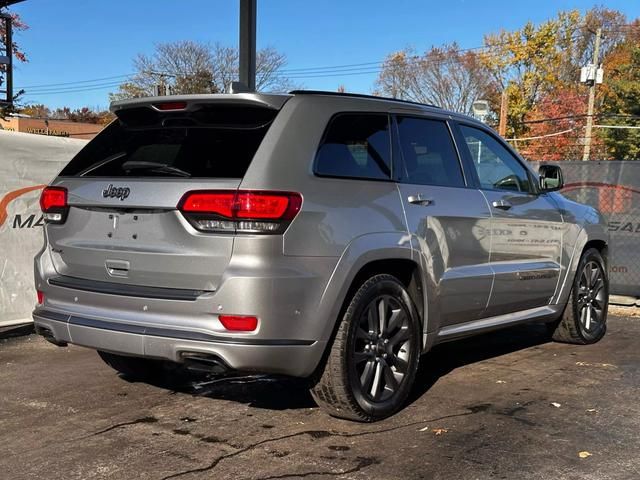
x,y
501,204
419,200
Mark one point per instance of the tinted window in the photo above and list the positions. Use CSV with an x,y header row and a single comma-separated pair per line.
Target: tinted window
x,y
429,154
497,168
356,145
210,142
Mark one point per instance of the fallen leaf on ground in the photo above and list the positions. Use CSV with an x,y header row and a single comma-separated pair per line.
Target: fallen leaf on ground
x,y
440,431
556,404
584,454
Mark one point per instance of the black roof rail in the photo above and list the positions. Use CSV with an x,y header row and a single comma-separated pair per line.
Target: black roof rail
x,y
359,95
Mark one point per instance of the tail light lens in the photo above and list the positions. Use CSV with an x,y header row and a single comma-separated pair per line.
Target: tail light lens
x,y
238,323
53,203
241,211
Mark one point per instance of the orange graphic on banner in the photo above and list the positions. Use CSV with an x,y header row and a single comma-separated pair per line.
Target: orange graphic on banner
x,y
11,196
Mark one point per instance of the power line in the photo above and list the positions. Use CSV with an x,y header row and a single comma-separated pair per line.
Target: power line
x,y
541,136
313,72
363,68
78,81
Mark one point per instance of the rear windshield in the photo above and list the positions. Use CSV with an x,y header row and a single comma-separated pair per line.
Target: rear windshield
x,y
209,142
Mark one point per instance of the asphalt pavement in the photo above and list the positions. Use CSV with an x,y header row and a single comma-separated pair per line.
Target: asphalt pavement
x,y
509,405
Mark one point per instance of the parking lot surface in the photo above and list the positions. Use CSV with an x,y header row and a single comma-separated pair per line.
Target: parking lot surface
x,y
506,405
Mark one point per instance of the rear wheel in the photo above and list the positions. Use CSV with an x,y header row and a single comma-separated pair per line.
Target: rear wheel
x,y
135,368
373,360
584,320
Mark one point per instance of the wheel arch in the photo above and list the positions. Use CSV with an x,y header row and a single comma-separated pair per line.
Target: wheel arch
x,y
364,257
593,236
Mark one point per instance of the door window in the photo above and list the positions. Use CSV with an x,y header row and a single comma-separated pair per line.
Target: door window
x,y
356,146
497,168
429,154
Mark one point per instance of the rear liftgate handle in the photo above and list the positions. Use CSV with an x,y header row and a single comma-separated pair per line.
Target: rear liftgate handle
x,y
117,268
419,200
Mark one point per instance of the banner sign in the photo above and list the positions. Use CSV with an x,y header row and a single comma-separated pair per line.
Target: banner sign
x,y
27,164
613,187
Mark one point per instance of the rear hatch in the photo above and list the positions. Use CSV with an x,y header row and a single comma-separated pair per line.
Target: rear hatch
x,y
120,223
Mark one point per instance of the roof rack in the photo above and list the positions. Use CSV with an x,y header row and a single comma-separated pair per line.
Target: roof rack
x,y
359,95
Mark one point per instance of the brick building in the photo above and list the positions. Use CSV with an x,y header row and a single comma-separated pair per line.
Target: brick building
x,y
50,127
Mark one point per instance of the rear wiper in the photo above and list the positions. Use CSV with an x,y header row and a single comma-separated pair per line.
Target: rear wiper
x,y
99,164
154,167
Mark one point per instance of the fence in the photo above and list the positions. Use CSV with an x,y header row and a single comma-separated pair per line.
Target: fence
x,y
28,162
614,188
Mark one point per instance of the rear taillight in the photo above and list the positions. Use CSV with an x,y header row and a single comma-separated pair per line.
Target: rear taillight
x,y
242,211
53,203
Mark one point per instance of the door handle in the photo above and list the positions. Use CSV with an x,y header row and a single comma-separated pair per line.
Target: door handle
x,y
419,200
501,204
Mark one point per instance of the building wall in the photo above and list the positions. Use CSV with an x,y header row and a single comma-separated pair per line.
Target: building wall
x,y
56,128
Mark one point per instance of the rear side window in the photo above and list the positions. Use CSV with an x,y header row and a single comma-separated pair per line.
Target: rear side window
x,y
209,142
356,146
429,154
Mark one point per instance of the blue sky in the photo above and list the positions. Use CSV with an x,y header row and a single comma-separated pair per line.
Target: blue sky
x,y
78,40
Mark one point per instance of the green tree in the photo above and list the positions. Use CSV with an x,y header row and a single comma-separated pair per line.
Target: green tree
x,y
535,60
621,99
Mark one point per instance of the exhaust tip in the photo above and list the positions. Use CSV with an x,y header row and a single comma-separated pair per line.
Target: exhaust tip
x,y
204,362
49,336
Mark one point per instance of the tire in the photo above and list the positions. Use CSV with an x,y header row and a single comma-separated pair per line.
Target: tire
x,y
372,364
134,368
584,320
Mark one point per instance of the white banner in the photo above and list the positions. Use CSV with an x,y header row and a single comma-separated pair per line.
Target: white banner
x,y
27,163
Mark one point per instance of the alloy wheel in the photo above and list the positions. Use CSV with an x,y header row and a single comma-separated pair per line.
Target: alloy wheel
x,y
591,296
382,348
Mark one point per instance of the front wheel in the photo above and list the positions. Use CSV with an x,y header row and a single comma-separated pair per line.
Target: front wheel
x,y
373,360
584,320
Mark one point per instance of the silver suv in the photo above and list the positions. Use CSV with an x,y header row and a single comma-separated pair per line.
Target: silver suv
x,y
331,236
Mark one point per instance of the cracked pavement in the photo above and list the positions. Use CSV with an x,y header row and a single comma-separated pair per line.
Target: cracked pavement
x,y
486,407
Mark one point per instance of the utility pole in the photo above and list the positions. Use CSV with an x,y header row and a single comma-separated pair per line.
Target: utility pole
x,y
6,61
592,97
504,106
6,58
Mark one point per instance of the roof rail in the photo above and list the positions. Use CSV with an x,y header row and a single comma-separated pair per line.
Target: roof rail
x,y
359,95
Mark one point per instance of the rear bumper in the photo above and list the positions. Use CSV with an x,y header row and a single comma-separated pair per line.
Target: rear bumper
x,y
289,357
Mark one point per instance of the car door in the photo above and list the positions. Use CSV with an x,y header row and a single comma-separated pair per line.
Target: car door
x,y
526,225
448,220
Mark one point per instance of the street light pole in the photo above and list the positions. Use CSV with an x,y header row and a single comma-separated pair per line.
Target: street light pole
x,y
247,67
592,98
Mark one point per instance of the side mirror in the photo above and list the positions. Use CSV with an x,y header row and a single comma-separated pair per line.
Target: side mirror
x,y
551,178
